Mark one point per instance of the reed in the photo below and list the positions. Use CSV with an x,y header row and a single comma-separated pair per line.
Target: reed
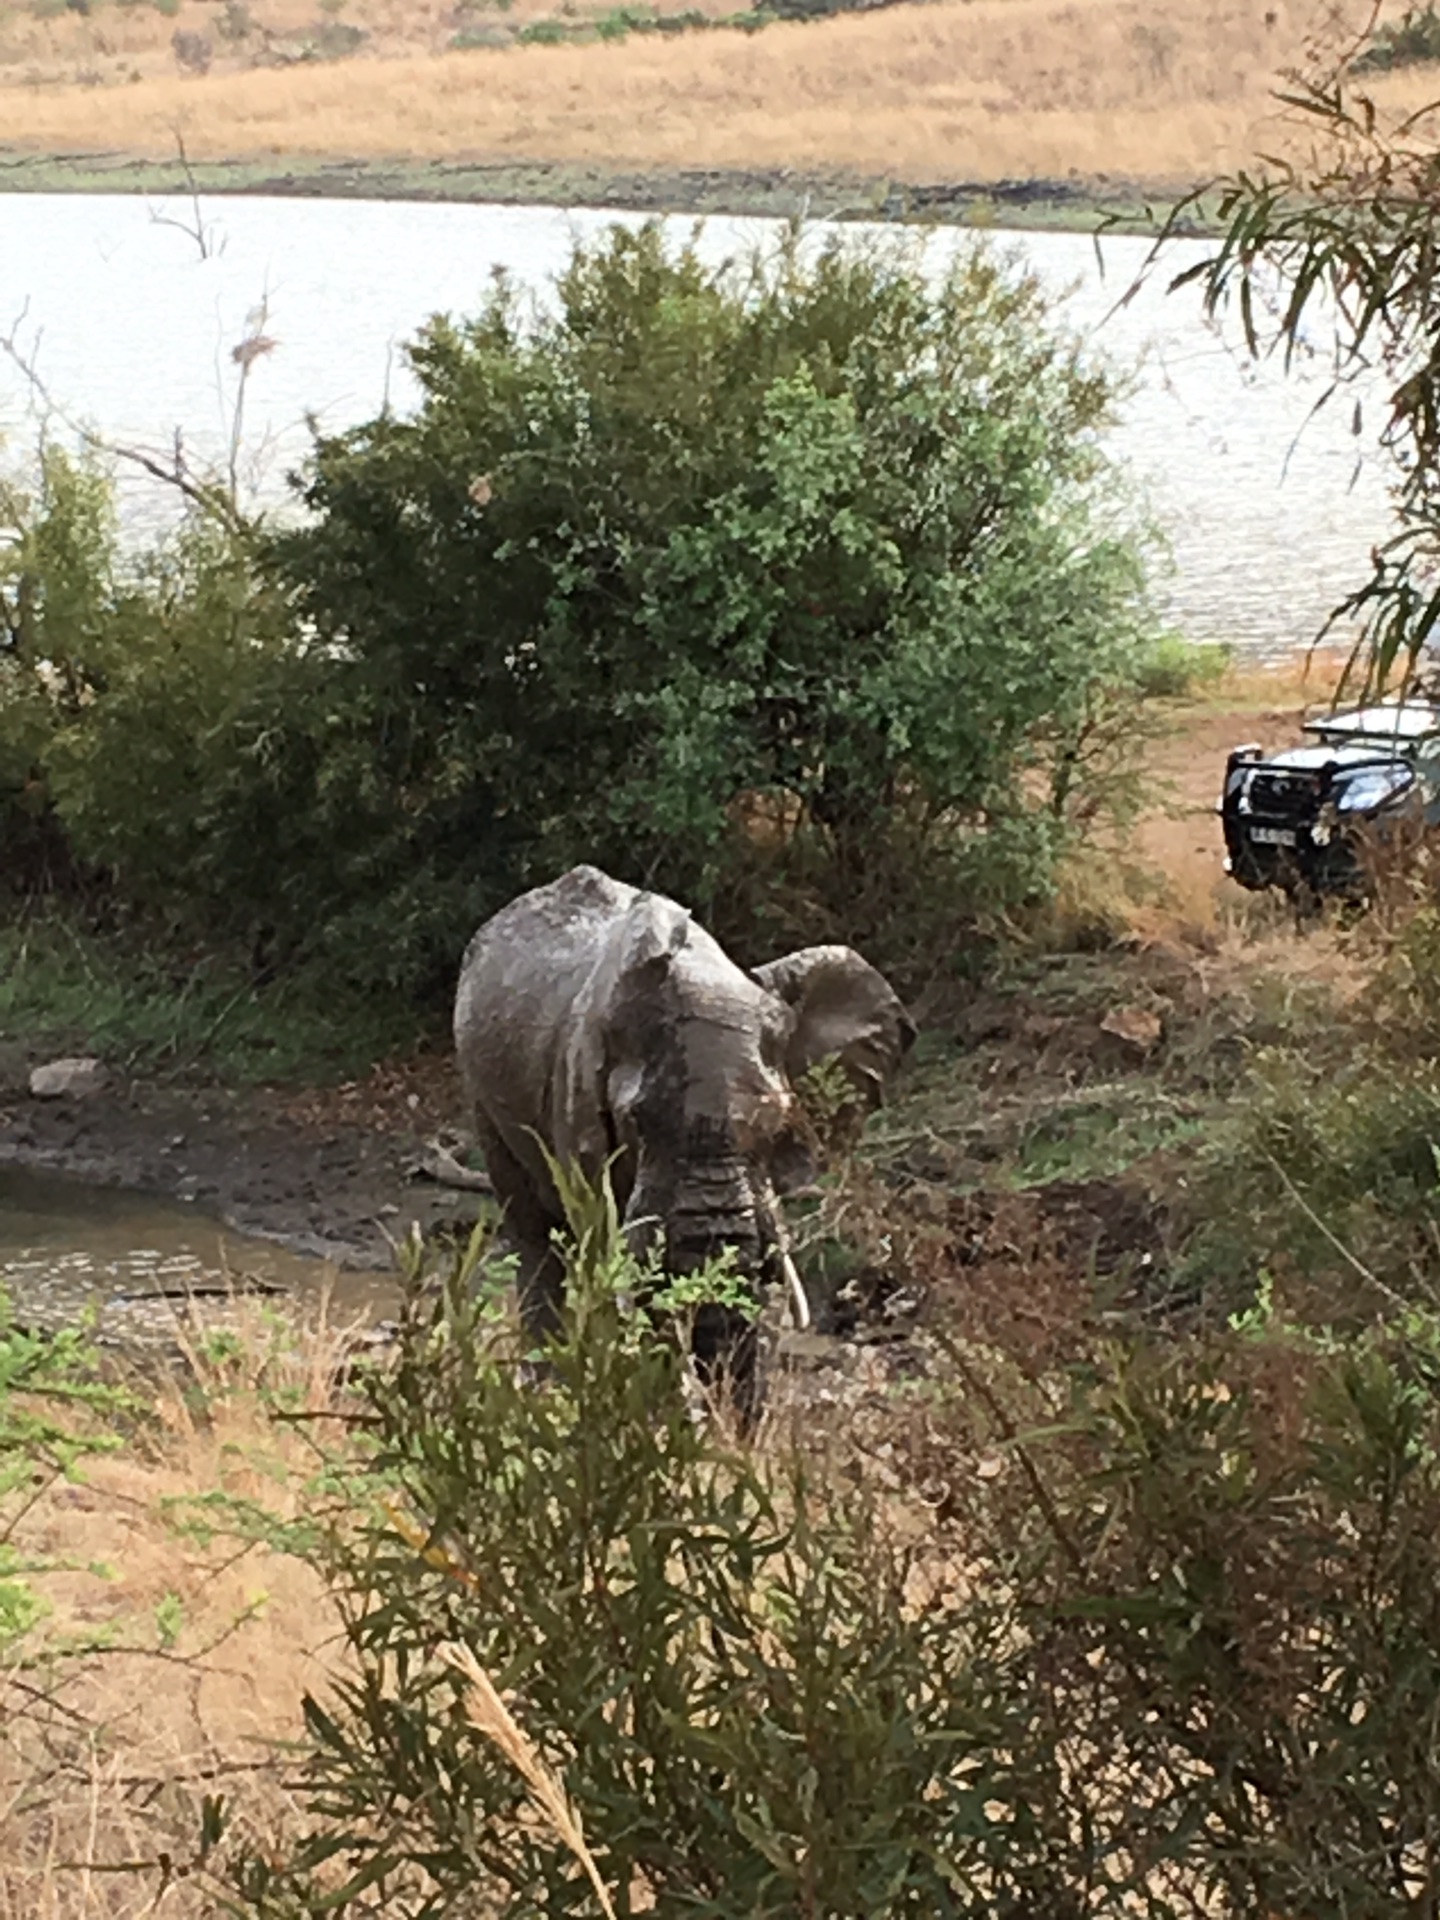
x,y
489,1715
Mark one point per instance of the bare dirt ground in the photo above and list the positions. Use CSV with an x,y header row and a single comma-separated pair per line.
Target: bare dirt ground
x,y
327,1172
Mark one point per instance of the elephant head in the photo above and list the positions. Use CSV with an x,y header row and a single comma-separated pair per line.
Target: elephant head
x,y
702,1062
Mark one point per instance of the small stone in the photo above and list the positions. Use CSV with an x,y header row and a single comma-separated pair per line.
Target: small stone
x,y
1138,1027
903,1304
67,1079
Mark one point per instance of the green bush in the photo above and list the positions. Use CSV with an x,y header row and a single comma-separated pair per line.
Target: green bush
x,y
162,774
1173,669
814,530
1327,1174
1254,1569
335,39
141,697
59,594
546,33
710,1648
811,525
813,9
1406,42
1158,1636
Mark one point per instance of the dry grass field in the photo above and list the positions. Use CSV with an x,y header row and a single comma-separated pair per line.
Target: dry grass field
x,y
203,1651
972,90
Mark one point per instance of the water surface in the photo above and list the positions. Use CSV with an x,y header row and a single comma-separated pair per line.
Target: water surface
x,y
153,1273
1270,512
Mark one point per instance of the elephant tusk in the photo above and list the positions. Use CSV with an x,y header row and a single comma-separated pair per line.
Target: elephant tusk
x,y
798,1301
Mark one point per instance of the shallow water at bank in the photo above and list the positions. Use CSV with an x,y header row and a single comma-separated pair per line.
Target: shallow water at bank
x,y
154,1274
132,308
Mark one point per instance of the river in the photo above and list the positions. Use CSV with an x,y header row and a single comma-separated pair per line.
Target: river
x,y
1270,513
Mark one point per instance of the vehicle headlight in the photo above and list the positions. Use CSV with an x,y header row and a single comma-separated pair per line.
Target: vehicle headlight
x,y
1372,788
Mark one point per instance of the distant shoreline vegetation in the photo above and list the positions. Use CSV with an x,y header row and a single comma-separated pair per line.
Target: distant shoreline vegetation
x,y
982,112
1049,205
553,30
1411,41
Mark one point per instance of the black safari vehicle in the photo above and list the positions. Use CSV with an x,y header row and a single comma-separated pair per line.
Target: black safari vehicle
x,y
1291,818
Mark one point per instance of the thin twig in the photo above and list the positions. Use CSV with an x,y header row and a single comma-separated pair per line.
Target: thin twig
x,y
210,498
199,233
1352,1260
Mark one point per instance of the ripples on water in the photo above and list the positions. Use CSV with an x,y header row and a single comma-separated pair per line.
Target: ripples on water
x,y
1270,514
152,1273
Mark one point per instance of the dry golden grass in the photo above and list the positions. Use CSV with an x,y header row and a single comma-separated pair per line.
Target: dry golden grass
x,y
114,1771
955,90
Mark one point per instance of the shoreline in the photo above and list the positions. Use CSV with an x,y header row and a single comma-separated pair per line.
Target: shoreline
x,y
1121,206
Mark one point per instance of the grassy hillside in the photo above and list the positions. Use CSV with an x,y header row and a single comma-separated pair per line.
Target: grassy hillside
x,y
978,90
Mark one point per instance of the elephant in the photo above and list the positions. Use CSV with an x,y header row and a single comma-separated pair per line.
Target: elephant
x,y
600,1024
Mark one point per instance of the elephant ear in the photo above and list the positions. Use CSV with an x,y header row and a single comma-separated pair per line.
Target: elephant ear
x,y
844,1009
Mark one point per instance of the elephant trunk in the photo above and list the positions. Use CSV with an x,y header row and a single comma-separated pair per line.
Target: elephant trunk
x,y
691,1213
713,1203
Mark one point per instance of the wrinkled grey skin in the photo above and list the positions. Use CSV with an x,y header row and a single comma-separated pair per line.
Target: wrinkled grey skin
x,y
606,1022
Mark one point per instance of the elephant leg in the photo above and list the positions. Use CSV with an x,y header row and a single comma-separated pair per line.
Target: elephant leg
x,y
540,1282
726,1347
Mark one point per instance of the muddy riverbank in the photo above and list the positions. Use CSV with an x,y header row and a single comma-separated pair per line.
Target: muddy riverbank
x,y
329,1173
1121,204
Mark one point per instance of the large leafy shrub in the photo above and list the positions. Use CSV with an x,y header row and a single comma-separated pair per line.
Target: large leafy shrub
x,y
57,593
137,694
1413,38
795,586
716,1651
813,526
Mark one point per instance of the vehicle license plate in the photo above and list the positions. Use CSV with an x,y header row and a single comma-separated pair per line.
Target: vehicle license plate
x,y
1273,836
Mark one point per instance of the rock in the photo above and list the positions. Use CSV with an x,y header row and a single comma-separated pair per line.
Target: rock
x,y
67,1079
441,1166
1136,1027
